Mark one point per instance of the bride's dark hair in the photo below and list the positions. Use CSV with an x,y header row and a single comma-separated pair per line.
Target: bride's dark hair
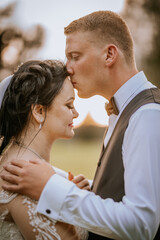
x,y
35,82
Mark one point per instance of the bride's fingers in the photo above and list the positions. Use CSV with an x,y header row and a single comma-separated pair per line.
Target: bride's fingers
x,y
78,178
10,178
86,188
83,184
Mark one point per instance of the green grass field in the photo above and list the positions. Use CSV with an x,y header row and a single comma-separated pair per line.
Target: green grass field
x,y
77,155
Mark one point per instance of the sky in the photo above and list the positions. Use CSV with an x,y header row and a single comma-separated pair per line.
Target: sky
x,y
54,15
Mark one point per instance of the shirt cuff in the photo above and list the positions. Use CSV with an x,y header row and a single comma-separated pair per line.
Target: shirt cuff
x,y
53,196
61,172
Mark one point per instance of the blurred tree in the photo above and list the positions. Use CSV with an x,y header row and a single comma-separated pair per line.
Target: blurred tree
x,y
16,45
143,17
152,7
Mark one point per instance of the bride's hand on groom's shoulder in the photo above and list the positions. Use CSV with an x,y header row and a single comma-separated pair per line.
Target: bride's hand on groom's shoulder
x,y
81,182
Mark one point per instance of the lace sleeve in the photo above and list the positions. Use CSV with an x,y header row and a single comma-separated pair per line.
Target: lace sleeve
x,y
35,226
19,220
31,224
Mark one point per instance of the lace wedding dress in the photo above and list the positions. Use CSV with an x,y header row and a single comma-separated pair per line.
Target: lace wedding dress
x,y
19,220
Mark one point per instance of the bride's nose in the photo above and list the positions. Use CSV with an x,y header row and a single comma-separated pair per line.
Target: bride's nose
x,y
75,113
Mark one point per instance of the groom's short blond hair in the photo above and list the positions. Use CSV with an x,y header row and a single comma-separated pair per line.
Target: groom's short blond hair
x,y
107,27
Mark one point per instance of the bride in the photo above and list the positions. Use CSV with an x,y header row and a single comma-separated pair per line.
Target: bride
x,y
36,108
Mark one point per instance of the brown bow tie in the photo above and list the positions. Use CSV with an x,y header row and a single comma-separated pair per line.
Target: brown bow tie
x,y
111,107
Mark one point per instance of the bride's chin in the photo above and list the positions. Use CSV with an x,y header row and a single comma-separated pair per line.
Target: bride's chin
x,y
72,135
69,136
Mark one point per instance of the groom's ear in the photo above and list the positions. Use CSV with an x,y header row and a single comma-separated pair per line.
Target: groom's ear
x,y
111,54
38,113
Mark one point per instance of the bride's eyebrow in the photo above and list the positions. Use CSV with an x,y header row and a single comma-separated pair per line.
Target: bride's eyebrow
x,y
71,98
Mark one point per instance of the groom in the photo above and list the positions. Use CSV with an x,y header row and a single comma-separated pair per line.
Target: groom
x,y
125,202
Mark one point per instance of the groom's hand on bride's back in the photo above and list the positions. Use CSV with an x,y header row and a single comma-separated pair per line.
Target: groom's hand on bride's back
x,y
28,178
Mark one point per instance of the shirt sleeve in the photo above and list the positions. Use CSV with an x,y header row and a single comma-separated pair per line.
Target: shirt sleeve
x,y
138,214
61,172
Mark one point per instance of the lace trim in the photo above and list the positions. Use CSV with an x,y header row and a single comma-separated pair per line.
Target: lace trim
x,y
6,197
83,233
8,230
3,215
44,226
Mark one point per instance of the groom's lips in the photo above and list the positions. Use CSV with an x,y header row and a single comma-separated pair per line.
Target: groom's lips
x,y
73,82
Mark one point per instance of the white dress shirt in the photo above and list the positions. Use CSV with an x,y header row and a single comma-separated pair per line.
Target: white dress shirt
x,y
137,216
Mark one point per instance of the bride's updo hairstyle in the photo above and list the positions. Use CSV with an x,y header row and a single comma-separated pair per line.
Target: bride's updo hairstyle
x,y
35,82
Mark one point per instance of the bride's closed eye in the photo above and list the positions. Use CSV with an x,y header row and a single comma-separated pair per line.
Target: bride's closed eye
x,y
70,106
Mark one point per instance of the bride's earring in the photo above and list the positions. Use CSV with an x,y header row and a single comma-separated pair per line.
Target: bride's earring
x,y
40,126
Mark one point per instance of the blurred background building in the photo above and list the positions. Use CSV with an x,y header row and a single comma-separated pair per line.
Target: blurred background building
x,y
34,30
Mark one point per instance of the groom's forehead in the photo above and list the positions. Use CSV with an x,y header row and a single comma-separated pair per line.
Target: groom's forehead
x,y
76,45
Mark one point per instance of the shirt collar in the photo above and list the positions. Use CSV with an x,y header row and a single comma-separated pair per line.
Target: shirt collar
x,y
128,89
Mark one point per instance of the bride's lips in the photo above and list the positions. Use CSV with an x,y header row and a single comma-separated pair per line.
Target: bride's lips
x,y
70,125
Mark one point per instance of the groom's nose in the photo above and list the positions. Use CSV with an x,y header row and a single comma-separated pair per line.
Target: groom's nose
x,y
69,67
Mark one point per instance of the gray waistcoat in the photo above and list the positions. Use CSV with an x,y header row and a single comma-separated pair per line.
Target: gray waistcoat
x,y
109,177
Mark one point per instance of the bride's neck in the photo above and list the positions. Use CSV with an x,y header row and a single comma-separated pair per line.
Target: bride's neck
x,y
39,143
